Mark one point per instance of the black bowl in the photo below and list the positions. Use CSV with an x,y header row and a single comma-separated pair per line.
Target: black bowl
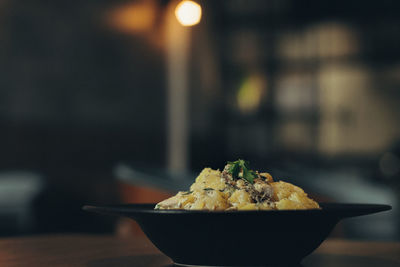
x,y
237,238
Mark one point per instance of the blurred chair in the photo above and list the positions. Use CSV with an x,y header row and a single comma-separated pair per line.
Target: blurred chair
x,y
17,191
349,185
139,183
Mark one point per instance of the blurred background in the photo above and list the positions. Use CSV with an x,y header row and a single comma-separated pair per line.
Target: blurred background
x,y
125,101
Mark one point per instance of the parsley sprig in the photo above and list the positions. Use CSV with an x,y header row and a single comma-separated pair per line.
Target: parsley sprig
x,y
240,169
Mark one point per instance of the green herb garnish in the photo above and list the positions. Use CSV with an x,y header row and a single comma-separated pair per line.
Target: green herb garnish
x,y
187,193
240,170
208,188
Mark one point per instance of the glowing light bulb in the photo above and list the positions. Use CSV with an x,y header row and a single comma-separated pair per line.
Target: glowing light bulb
x,y
188,13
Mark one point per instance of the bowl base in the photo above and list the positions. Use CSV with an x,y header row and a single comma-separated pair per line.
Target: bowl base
x,y
195,265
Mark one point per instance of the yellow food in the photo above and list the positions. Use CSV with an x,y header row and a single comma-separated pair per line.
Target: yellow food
x,y
208,178
239,189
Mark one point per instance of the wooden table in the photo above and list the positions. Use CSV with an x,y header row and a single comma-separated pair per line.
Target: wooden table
x,y
95,250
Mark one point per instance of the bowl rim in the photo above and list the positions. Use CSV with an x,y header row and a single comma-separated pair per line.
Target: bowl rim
x,y
347,209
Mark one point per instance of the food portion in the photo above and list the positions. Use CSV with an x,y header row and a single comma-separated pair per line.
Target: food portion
x,y
239,188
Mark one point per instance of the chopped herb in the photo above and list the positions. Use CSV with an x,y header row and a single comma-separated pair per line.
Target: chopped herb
x,y
234,168
187,193
157,207
240,169
208,189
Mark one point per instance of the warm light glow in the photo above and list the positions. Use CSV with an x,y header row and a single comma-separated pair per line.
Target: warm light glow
x,y
134,18
188,13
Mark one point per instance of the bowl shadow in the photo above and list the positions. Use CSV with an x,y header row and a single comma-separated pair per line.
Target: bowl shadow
x,y
314,260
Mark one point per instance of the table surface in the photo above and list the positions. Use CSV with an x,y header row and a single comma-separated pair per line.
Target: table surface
x,y
107,250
